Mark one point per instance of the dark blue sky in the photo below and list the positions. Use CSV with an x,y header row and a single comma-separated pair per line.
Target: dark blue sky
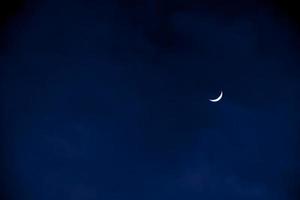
x,y
109,100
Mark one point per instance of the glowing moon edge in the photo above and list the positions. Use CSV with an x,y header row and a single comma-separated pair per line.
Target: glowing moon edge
x,y
217,99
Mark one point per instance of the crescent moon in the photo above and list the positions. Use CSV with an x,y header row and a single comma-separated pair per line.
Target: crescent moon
x,y
217,99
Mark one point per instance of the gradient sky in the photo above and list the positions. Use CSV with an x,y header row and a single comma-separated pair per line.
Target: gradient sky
x,y
109,100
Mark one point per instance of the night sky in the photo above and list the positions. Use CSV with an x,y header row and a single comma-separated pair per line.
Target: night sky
x,y
108,100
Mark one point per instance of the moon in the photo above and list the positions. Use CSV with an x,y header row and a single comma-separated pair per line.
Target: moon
x,y
217,99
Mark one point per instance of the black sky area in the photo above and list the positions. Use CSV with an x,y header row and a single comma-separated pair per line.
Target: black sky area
x,y
108,99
